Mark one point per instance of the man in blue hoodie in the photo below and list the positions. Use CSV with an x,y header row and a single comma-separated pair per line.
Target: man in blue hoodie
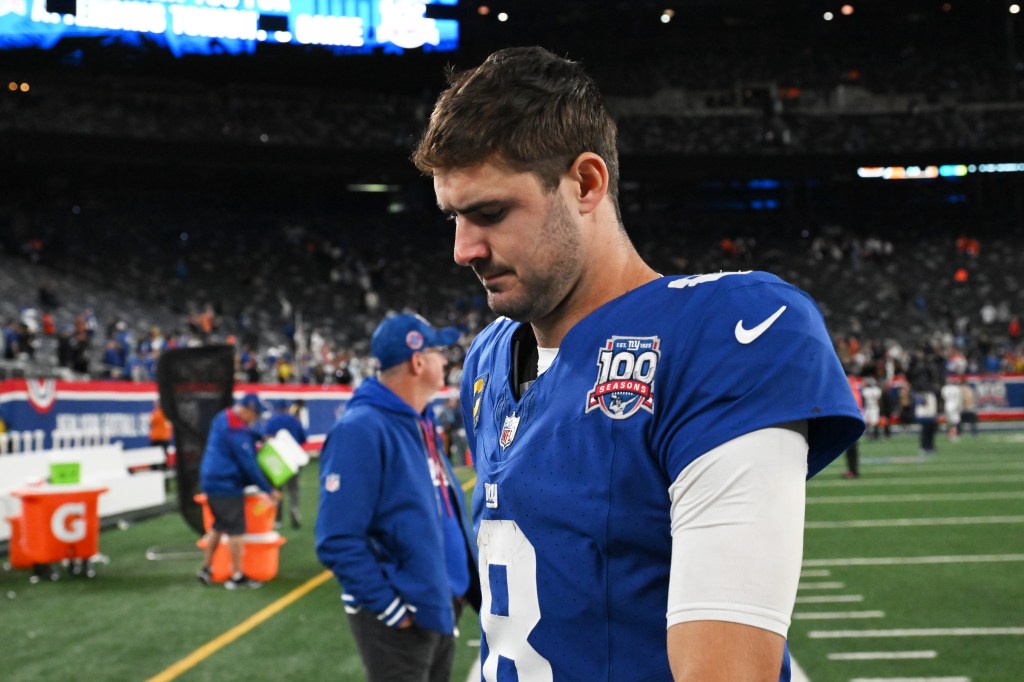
x,y
227,468
390,524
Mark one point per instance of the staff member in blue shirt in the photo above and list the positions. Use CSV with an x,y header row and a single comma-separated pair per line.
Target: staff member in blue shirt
x,y
391,525
228,467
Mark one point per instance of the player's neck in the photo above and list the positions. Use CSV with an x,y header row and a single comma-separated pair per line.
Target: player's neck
x,y
606,279
409,389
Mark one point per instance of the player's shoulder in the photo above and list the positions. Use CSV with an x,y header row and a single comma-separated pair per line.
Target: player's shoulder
x,y
491,340
724,293
718,283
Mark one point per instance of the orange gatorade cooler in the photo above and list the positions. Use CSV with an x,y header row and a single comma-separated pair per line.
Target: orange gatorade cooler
x,y
260,512
259,560
16,555
59,523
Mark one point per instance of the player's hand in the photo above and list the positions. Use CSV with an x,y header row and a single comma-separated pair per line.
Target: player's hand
x,y
406,622
276,495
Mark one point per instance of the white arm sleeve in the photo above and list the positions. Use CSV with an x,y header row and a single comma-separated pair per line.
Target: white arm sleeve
x,y
737,531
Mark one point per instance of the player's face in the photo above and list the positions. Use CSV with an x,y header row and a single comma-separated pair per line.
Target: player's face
x,y
520,239
435,363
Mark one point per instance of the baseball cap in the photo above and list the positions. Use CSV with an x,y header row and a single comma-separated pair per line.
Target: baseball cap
x,y
399,336
253,402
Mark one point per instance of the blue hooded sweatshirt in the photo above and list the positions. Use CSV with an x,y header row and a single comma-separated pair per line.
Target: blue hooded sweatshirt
x,y
379,529
229,460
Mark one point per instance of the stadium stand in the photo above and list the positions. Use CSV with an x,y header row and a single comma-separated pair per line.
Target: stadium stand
x,y
158,202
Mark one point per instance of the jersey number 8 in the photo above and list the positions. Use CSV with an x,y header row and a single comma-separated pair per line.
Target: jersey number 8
x,y
510,609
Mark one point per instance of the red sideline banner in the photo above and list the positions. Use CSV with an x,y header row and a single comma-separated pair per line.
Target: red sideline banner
x,y
1000,396
46,413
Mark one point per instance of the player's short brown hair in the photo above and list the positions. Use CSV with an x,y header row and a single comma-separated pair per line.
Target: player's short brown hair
x,y
526,108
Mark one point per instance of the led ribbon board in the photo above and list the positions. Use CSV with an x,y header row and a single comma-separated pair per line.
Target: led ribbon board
x,y
231,26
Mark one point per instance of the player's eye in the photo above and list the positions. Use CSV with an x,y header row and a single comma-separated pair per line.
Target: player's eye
x,y
491,217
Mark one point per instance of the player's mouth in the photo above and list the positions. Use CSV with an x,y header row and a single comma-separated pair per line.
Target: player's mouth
x,y
492,278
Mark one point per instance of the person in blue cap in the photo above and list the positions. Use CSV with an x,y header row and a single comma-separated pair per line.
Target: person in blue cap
x,y
229,466
391,525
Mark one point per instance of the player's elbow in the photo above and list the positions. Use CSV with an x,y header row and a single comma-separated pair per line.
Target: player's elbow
x,y
718,651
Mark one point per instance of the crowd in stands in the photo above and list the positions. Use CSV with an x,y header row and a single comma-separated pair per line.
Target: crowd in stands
x,y
299,296
97,280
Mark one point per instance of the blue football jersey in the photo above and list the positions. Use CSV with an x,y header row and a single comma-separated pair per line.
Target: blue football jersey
x,y
571,507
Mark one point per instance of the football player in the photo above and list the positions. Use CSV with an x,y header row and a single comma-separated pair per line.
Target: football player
x,y
642,442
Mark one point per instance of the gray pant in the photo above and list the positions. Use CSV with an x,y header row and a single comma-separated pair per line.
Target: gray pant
x,y
411,655
291,498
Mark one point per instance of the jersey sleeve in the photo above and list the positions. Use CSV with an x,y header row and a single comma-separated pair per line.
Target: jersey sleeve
x,y
350,485
754,354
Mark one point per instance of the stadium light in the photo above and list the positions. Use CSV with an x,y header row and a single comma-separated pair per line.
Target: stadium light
x,y
1014,8
829,16
502,16
847,10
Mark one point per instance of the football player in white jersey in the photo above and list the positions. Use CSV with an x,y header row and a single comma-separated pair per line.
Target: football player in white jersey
x,y
641,442
871,394
952,405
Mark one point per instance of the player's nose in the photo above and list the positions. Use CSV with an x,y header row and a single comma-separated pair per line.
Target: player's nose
x,y
470,244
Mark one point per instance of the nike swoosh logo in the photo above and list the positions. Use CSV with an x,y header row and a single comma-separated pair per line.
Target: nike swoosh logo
x,y
746,336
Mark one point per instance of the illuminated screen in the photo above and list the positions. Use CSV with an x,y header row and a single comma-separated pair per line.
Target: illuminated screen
x,y
232,26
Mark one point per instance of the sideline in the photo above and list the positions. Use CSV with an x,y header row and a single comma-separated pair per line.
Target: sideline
x,y
242,628
251,622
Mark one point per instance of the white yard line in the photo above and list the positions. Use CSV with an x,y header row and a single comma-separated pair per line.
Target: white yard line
x,y
903,560
880,466
474,671
823,573
911,679
916,632
920,480
796,673
821,586
831,599
883,523
937,497
836,615
882,655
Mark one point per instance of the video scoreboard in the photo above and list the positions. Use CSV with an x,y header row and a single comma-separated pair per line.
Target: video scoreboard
x,y
234,26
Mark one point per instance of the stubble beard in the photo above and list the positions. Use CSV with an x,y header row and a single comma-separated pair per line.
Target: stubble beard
x,y
543,289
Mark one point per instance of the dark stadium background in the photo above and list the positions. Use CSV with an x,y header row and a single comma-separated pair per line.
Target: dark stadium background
x,y
739,120
140,190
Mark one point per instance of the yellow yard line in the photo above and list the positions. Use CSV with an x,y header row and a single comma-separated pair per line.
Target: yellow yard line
x,y
469,484
234,633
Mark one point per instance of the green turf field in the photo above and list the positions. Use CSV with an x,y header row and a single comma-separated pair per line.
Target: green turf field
x,y
920,560
916,570
138,617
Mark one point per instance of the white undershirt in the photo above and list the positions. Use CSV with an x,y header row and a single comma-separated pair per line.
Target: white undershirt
x,y
545,356
737,528
737,531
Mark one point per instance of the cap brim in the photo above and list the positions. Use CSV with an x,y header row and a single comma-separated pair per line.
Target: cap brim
x,y
445,336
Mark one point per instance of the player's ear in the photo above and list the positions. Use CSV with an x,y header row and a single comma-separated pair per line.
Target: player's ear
x,y
589,174
416,363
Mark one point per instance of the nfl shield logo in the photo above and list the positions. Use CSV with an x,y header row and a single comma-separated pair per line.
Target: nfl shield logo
x,y
332,482
508,430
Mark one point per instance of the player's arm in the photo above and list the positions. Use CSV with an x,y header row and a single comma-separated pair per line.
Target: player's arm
x,y
737,546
